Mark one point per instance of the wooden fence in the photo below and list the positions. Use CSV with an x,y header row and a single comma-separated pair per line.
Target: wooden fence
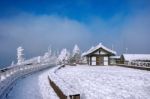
x,y
60,93
61,88
57,90
134,67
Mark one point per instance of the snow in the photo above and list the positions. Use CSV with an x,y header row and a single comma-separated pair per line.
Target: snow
x,y
26,88
45,88
63,85
91,82
131,57
35,86
107,82
92,49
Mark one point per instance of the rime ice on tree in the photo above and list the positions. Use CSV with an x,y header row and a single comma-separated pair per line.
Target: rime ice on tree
x,y
12,64
76,50
20,55
39,59
49,51
64,56
47,56
76,54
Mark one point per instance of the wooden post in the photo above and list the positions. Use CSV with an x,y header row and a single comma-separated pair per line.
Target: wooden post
x,y
60,94
57,90
77,96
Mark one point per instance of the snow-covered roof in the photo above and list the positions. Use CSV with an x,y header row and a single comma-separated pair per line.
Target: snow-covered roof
x,y
131,57
92,49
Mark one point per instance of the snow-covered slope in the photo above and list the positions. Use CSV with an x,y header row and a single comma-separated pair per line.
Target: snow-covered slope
x,y
107,82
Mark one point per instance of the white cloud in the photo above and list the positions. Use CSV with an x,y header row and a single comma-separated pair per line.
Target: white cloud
x,y
36,33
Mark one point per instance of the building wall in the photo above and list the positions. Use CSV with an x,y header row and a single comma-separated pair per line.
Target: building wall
x,y
98,60
114,61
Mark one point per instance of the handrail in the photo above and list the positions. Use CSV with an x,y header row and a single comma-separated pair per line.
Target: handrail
x,y
10,74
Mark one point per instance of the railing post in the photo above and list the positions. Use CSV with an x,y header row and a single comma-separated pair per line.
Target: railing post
x,y
7,74
3,77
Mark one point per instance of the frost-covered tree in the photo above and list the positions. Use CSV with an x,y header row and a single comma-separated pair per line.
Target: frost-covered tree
x,y
76,50
64,56
39,59
76,54
12,63
49,51
20,55
47,55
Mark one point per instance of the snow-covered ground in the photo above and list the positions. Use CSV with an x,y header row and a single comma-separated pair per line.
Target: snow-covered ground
x,y
35,86
92,82
107,82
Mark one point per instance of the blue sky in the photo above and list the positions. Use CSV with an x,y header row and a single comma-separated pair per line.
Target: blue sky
x,y
76,9
36,24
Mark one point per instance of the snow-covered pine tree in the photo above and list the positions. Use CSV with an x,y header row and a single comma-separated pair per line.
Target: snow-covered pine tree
x,y
12,63
50,51
39,59
20,55
76,54
64,56
47,55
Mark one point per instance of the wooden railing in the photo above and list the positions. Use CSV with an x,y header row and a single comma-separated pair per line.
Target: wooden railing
x,y
61,88
139,63
57,90
134,66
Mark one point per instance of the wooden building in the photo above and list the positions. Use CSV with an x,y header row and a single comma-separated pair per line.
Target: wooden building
x,y
128,58
99,55
114,60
